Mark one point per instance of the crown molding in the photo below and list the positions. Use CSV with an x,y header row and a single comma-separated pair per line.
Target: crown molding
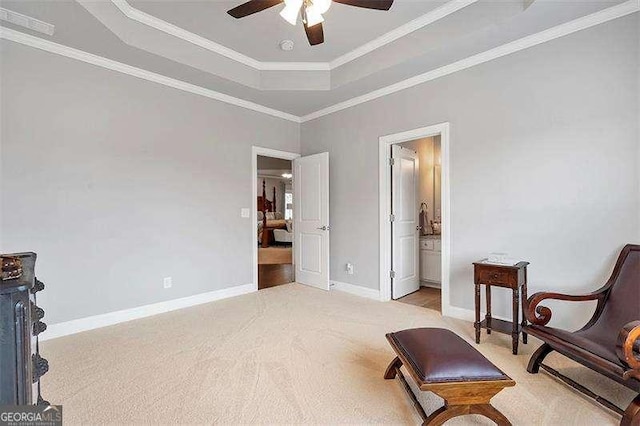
x,y
606,15
166,27
294,66
69,52
393,35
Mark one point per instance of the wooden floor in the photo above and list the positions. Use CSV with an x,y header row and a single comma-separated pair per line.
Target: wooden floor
x,y
275,255
274,275
274,266
426,297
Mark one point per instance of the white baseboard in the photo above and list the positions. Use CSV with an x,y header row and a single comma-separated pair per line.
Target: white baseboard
x,y
468,314
356,290
430,284
448,311
459,313
111,318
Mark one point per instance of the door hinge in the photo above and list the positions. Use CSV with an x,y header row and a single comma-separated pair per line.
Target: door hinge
x,y
392,274
392,217
392,161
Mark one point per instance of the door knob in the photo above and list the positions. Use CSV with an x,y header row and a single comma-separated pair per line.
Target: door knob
x,y
325,228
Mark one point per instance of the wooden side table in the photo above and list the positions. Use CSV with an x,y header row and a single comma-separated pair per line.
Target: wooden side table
x,y
513,277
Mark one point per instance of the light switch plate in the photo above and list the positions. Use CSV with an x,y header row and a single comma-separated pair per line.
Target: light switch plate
x,y
244,212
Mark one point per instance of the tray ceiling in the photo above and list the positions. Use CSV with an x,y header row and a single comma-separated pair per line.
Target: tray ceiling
x,y
309,79
258,35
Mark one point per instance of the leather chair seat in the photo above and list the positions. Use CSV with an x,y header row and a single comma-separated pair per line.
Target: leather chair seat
x,y
592,342
438,355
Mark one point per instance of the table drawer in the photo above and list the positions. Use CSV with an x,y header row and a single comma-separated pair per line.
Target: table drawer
x,y
496,277
426,244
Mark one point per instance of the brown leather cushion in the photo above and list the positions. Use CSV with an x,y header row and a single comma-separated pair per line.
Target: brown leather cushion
x,y
438,355
589,341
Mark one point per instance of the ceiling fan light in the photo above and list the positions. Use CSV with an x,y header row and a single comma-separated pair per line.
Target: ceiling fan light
x,y
322,5
291,11
313,16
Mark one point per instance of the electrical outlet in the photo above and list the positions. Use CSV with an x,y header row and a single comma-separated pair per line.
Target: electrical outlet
x,y
245,212
350,268
168,282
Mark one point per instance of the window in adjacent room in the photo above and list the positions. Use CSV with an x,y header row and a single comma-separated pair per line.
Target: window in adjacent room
x,y
288,207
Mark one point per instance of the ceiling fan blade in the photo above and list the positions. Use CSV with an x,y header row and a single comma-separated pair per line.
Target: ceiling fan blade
x,y
368,4
251,7
315,34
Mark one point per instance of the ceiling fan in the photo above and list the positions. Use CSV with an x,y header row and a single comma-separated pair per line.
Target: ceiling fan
x,y
311,11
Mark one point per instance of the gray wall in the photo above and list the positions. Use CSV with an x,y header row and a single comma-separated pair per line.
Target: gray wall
x,y
544,162
118,182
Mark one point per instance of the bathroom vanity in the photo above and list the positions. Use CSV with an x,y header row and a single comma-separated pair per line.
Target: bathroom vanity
x,y
430,261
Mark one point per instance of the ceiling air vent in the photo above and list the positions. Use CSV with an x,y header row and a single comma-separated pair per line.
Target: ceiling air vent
x,y
26,21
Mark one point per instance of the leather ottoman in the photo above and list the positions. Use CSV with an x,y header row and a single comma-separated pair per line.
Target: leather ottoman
x,y
443,363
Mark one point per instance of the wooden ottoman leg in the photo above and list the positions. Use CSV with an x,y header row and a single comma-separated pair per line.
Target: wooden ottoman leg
x,y
631,416
445,413
490,412
391,369
448,412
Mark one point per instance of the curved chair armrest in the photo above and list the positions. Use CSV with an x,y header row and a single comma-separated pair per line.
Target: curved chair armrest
x,y
541,315
628,346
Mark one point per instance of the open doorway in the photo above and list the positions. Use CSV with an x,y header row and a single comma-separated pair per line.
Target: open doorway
x,y
414,224
272,227
419,187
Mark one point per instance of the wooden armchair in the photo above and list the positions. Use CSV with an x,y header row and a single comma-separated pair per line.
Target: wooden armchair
x,y
609,343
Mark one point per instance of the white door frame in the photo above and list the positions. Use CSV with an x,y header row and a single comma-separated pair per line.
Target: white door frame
x,y
384,196
266,152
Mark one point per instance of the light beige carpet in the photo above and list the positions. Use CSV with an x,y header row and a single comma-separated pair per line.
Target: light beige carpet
x,y
275,256
285,355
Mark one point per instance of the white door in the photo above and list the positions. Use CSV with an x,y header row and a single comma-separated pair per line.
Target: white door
x,y
404,227
311,219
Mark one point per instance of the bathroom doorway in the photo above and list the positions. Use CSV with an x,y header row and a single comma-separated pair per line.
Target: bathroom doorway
x,y
429,212
414,226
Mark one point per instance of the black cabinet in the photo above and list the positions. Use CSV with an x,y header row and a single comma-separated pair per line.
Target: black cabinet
x,y
20,324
